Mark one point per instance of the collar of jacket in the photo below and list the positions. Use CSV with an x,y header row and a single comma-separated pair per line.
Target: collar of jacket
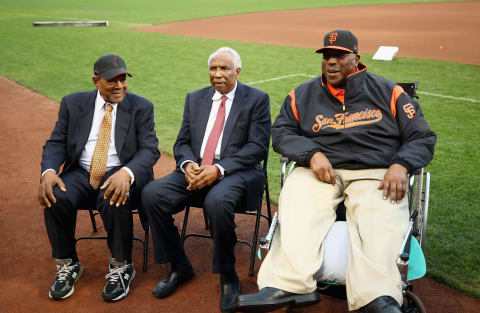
x,y
353,80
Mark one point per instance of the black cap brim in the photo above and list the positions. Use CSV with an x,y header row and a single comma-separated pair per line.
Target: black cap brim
x,y
334,48
115,72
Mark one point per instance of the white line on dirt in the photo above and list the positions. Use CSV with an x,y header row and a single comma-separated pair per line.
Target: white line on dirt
x,y
419,92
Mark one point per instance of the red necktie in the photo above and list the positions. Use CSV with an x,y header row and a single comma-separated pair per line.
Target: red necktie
x,y
212,141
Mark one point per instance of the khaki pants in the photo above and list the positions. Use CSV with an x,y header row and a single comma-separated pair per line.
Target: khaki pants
x,y
306,213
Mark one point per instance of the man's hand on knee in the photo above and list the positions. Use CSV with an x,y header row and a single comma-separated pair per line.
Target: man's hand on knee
x,y
45,191
394,183
118,186
208,175
322,168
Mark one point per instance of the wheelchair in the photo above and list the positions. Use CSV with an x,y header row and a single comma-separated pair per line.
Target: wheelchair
x,y
410,261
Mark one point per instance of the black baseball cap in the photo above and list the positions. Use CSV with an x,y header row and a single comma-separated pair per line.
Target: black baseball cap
x,y
340,39
110,65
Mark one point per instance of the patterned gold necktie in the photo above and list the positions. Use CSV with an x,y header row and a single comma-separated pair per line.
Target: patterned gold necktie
x,y
100,153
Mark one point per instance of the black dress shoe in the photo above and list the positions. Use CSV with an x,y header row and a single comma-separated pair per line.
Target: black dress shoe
x,y
230,290
383,304
269,299
167,286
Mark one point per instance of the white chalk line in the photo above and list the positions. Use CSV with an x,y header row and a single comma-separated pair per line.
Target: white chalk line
x,y
419,92
447,97
280,77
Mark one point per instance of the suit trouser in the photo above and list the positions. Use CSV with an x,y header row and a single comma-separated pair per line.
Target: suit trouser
x,y
167,196
306,213
60,218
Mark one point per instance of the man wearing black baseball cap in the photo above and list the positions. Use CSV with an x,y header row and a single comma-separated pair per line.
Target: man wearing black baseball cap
x,y
354,137
342,46
110,66
105,140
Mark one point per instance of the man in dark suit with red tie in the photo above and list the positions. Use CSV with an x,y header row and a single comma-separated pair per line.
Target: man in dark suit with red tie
x,y
223,138
105,140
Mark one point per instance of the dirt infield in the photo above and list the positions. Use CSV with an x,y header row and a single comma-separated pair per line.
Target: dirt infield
x,y
446,31
26,269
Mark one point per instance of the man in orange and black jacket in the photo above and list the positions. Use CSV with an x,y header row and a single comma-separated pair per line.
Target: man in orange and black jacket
x,y
373,123
355,136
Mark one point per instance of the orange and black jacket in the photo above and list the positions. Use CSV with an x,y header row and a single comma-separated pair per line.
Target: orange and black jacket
x,y
377,125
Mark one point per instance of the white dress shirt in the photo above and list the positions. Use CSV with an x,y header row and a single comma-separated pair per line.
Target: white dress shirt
x,y
87,153
216,101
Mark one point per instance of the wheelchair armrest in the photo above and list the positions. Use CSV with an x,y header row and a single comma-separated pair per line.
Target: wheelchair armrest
x,y
285,161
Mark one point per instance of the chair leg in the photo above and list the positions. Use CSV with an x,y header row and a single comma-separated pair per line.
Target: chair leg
x,y
145,250
92,218
185,221
254,243
267,200
205,218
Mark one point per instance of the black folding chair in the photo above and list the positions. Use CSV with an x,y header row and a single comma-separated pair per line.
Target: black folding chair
x,y
258,213
143,240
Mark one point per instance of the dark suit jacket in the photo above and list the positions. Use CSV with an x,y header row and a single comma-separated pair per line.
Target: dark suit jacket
x,y
135,138
246,135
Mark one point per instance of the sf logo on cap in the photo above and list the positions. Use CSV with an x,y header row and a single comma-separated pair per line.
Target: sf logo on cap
x,y
333,37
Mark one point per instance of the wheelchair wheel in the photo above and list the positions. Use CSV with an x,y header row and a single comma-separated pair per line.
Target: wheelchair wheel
x,y
420,204
426,199
412,303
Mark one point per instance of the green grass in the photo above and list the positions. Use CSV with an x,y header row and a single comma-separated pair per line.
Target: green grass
x,y
57,61
156,12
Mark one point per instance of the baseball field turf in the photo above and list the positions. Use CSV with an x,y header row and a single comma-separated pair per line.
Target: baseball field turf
x,y
58,61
